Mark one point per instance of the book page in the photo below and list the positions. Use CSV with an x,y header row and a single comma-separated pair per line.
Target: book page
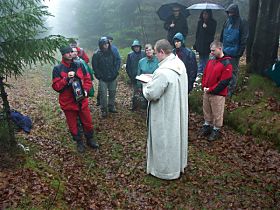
x,y
144,77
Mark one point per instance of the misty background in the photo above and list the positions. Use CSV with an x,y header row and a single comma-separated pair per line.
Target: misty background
x,y
124,20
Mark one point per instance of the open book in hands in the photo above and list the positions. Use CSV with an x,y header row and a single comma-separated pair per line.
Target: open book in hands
x,y
144,77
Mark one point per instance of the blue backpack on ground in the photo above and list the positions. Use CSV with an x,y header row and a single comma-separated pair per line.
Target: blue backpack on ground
x,y
21,121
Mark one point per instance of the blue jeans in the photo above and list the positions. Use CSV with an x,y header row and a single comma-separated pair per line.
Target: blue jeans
x,y
202,63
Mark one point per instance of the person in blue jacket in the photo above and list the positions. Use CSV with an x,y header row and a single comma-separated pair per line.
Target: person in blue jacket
x,y
234,38
188,58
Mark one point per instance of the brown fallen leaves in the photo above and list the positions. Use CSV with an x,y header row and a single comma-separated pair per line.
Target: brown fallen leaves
x,y
235,172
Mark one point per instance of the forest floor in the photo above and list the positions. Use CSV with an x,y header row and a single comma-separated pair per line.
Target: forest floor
x,y
235,172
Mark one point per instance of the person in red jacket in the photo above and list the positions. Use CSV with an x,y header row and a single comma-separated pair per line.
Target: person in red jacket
x,y
215,81
81,52
64,76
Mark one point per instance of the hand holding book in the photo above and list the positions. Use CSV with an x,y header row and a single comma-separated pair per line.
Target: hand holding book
x,y
144,77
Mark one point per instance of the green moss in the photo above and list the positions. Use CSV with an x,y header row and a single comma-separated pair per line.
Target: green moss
x,y
195,101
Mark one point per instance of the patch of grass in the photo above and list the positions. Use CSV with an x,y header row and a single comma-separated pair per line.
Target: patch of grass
x,y
124,52
153,181
48,111
58,186
195,101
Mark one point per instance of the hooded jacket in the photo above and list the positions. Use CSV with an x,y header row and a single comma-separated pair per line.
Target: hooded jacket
x,y
105,63
235,33
133,60
188,58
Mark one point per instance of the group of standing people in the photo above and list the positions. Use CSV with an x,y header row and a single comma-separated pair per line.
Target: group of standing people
x,y
218,81
173,70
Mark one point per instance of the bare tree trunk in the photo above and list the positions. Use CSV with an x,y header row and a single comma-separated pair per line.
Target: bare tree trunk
x,y
265,43
252,20
12,141
142,22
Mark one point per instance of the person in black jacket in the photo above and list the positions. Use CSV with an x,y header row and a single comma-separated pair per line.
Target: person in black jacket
x,y
132,62
106,70
176,23
205,32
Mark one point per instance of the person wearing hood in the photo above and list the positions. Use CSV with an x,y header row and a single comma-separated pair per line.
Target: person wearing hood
x,y
234,37
215,81
64,75
105,66
205,32
132,61
176,23
115,50
188,58
167,115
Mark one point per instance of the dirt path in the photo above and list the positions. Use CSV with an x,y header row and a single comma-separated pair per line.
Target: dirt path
x,y
234,172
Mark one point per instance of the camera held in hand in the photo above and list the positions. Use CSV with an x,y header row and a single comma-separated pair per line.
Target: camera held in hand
x,y
78,90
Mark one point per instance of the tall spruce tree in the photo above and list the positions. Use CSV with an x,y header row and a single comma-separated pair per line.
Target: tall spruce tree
x,y
22,43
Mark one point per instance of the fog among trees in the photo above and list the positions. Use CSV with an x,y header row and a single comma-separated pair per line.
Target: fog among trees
x,y
125,20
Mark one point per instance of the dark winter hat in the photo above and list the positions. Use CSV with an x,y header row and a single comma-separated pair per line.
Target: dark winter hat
x,y
73,42
110,38
65,49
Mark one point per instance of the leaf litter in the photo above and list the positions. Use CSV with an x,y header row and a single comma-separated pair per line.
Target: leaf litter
x,y
236,172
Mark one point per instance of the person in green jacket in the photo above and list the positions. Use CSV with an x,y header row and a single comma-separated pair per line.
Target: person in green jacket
x,y
146,65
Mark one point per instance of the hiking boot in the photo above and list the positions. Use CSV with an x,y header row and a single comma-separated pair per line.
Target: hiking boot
x,y
104,114
80,146
215,134
92,143
90,140
205,130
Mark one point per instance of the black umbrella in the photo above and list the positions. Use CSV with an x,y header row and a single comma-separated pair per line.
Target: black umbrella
x,y
165,10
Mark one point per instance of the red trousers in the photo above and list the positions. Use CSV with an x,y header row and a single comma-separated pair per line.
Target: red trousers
x,y
85,117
